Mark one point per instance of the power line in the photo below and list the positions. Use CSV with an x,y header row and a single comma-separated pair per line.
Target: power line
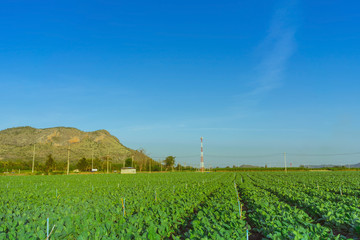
x,y
188,156
68,161
246,156
268,155
323,154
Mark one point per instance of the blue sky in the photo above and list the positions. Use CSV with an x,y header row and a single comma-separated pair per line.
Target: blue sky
x,y
254,78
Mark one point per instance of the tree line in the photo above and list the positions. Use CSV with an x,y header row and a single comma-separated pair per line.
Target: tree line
x,y
101,164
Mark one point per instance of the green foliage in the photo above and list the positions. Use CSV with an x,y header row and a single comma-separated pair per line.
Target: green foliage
x,y
83,164
293,205
49,164
128,162
181,206
89,206
169,161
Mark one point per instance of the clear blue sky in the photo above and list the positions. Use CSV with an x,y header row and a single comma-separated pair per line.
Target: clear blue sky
x,y
252,77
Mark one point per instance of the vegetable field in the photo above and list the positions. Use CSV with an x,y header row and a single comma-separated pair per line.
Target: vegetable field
x,y
241,205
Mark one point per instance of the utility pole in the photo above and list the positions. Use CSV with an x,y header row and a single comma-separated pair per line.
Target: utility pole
x,y
150,165
285,161
92,159
107,163
33,162
132,161
202,156
68,161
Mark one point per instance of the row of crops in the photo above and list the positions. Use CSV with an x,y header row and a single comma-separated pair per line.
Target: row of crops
x,y
181,206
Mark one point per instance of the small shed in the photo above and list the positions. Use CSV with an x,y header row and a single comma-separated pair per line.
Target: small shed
x,y
128,170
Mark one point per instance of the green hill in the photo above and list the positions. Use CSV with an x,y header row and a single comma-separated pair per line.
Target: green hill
x,y
18,144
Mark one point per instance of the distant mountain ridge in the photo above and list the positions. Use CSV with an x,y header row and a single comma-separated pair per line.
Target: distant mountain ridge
x,y
18,144
357,165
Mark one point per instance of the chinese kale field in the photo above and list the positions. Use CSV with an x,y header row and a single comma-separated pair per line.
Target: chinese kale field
x,y
299,205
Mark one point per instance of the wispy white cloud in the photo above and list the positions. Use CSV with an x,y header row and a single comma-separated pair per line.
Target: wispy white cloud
x,y
275,52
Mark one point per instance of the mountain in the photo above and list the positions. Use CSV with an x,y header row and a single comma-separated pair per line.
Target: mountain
x,y
332,166
248,166
357,165
18,144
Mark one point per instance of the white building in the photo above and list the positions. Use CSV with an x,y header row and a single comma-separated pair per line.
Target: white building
x,y
128,170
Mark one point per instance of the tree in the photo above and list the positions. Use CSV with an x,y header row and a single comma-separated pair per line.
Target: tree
x,y
97,164
49,164
5,165
82,165
169,161
128,162
156,167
